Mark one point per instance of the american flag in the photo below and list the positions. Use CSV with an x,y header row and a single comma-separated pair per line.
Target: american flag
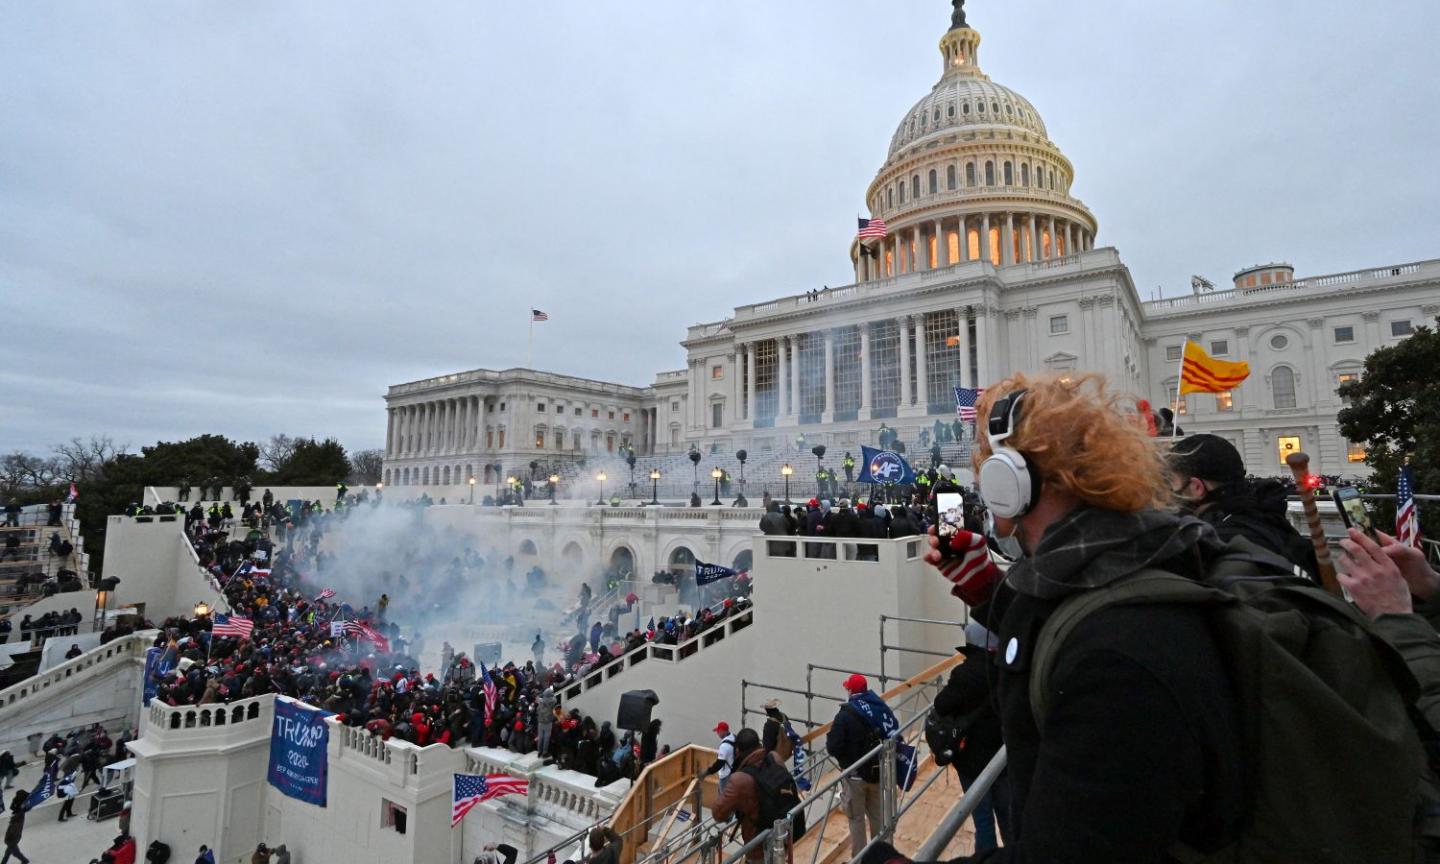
x,y
872,229
965,400
73,496
325,595
537,315
472,789
1407,519
361,630
492,695
650,628
232,625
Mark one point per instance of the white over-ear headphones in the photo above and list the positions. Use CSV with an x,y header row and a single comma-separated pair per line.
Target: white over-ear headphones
x,y
1008,482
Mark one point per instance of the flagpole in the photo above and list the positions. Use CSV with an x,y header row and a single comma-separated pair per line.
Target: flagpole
x,y
530,347
1179,381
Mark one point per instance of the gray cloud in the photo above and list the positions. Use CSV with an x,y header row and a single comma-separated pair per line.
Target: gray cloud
x,y
249,218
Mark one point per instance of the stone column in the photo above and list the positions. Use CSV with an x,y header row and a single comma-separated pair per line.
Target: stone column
x,y
782,382
407,429
795,403
983,346
1007,240
963,315
1074,247
942,249
750,382
904,322
985,239
736,391
829,414
864,371
1034,225
389,430
1054,246
922,377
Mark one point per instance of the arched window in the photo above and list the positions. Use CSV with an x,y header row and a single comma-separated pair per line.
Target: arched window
x,y
902,192
446,475
950,178
890,197
934,182
989,173
951,111
1052,179
425,477
1282,386
1009,173
969,173
937,114
1024,174
915,186
386,478
965,108
980,106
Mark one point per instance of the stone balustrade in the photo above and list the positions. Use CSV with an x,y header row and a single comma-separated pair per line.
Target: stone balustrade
x,y
87,666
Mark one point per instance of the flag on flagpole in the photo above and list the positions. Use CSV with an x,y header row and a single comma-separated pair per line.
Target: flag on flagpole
x,y
1407,518
231,625
73,496
492,695
361,630
1201,373
326,594
966,398
650,628
707,573
537,315
872,229
472,789
43,792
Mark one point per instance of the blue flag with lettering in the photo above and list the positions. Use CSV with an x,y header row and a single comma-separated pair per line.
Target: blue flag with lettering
x,y
299,751
707,573
885,467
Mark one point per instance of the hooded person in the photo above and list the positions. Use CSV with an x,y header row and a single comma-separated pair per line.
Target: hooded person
x,y
1208,478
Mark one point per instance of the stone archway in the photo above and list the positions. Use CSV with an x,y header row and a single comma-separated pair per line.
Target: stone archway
x,y
743,561
622,560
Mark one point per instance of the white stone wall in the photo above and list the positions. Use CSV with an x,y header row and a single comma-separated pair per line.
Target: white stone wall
x,y
100,686
156,567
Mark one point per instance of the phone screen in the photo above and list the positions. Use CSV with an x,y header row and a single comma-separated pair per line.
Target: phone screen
x,y
949,516
1352,509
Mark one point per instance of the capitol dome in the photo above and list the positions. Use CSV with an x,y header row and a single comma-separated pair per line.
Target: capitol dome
x,y
971,174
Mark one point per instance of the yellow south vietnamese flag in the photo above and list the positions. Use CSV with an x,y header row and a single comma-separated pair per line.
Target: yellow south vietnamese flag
x,y
1201,373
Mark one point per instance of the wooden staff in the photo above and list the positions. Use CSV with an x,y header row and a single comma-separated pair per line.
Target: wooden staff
x,y
1300,466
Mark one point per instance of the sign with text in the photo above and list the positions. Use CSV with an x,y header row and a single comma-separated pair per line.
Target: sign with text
x,y
299,751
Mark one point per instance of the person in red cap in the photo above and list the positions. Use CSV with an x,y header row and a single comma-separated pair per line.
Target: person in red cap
x,y
863,722
725,753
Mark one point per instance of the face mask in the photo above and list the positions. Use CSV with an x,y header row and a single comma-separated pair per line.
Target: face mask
x,y
1009,546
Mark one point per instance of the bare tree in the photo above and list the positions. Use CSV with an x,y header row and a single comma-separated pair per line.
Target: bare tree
x,y
365,467
275,454
20,470
79,461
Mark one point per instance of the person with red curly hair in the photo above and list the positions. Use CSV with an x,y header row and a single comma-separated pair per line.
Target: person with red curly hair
x,y
1140,750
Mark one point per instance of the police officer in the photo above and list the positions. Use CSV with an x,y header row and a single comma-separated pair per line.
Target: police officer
x,y
849,466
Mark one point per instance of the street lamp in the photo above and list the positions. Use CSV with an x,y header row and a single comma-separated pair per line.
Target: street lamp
x,y
716,474
654,485
601,478
554,482
202,609
472,488
510,482
786,471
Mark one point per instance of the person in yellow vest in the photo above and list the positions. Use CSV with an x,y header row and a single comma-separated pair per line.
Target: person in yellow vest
x,y
849,466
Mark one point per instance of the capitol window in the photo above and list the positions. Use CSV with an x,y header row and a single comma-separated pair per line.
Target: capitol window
x,y
717,373
902,192
675,406
1279,342
594,412
1282,387
1219,347
577,412
1354,452
965,108
1344,334
1401,328
950,178
915,186
1059,324
1172,353
626,417
890,197
1009,110
1224,402
969,173
951,112
1009,174
1024,174
934,181
989,173
540,407
995,107
980,106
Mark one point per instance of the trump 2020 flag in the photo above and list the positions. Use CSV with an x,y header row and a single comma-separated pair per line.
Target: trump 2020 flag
x,y
707,573
885,467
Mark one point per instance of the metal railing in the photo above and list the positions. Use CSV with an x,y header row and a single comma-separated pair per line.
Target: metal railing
x,y
935,844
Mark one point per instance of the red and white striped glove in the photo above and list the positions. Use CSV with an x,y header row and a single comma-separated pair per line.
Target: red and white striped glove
x,y
968,566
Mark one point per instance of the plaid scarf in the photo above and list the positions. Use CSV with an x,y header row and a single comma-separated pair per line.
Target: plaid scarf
x,y
1090,547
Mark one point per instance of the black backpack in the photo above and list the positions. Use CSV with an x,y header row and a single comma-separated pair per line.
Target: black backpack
x,y
1336,769
870,773
778,795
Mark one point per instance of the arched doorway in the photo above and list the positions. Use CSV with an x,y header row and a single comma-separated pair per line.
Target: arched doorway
x,y
682,561
446,475
527,547
573,555
622,561
743,560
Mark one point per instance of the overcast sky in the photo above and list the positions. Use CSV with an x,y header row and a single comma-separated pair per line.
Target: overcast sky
x,y
250,218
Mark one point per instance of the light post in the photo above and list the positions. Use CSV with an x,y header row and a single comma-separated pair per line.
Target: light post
x,y
655,486
601,478
202,609
472,489
510,482
102,601
786,471
716,474
554,481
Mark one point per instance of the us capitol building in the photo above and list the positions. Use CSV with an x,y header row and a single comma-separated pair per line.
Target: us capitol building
x,y
990,265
